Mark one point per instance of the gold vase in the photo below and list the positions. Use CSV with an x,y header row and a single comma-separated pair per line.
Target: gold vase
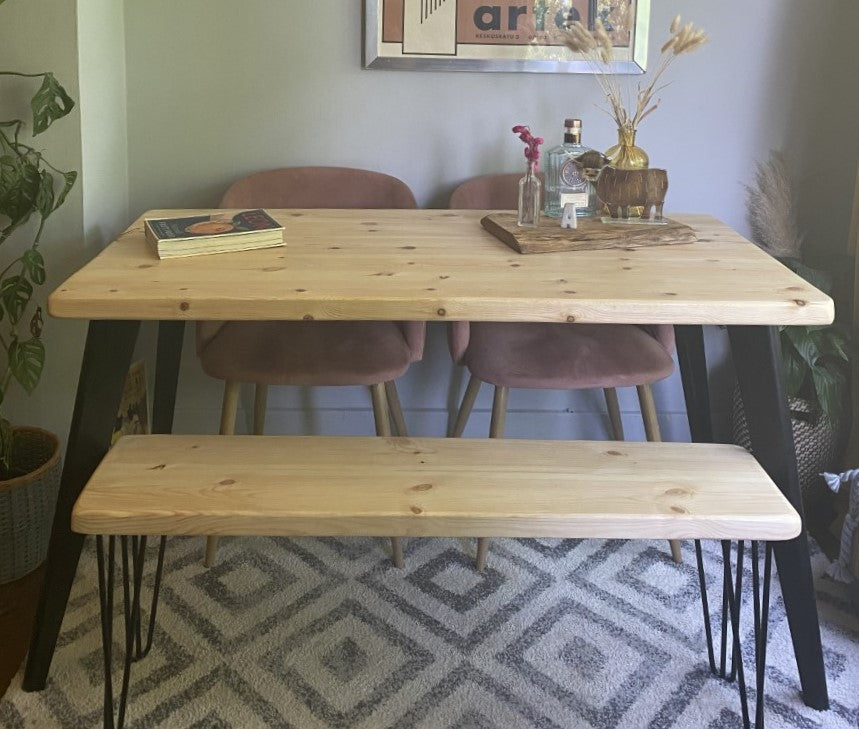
x,y
625,155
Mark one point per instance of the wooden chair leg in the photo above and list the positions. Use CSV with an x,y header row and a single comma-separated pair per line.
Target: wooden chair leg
x,y
380,409
383,428
229,408
396,409
496,430
648,414
651,430
499,412
260,403
613,412
467,404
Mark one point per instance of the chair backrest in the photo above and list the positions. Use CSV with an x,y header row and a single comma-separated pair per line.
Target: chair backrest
x,y
501,192
320,187
491,192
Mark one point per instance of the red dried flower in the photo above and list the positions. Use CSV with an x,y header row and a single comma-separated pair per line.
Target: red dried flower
x,y
532,148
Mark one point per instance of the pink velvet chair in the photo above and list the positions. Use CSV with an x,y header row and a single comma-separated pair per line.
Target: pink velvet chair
x,y
371,353
553,356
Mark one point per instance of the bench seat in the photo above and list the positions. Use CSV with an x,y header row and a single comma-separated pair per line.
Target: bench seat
x,y
357,486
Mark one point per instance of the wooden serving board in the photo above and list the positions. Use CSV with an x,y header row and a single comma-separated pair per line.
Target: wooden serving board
x,y
592,234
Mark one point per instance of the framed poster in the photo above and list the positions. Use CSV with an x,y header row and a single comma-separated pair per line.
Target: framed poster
x,y
499,35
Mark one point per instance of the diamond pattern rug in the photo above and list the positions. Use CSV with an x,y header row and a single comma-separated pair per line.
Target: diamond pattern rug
x,y
319,633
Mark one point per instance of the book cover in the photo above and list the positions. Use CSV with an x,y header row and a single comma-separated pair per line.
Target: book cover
x,y
218,232
216,225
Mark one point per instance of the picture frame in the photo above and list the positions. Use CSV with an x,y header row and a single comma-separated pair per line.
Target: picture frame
x,y
499,35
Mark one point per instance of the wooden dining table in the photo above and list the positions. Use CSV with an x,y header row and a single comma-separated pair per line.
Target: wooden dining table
x,y
438,266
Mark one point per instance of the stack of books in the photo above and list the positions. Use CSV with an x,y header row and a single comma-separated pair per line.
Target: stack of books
x,y
216,233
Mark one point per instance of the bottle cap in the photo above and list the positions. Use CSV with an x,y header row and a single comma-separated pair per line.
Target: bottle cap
x,y
573,123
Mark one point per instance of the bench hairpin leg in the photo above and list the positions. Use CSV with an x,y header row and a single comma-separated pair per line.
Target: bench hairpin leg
x,y
132,587
137,573
738,593
705,606
723,656
156,589
105,596
734,601
761,630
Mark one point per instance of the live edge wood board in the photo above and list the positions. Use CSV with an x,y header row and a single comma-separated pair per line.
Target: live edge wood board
x,y
440,265
591,234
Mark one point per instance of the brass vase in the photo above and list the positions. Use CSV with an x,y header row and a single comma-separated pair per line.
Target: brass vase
x,y
625,155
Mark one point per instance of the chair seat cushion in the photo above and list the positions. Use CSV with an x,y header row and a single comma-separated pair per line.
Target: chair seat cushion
x,y
565,356
307,353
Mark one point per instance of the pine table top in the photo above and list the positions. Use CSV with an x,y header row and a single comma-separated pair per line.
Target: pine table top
x,y
440,265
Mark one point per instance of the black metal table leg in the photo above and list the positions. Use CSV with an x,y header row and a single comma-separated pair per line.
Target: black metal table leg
x,y
693,371
756,352
107,356
170,335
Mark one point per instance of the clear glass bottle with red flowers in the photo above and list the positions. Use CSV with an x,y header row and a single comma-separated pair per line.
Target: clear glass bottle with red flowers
x,y
530,187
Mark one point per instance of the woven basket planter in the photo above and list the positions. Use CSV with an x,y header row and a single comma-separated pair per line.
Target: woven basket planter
x,y
817,441
27,502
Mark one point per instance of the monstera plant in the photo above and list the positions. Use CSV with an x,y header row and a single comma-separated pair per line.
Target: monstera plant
x,y
31,190
30,186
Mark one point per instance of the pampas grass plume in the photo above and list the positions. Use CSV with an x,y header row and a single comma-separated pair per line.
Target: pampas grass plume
x,y
772,208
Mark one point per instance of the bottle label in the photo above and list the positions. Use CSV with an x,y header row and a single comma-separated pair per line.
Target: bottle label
x,y
571,174
579,199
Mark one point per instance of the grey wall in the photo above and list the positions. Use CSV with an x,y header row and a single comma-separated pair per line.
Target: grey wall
x,y
38,37
214,89
217,89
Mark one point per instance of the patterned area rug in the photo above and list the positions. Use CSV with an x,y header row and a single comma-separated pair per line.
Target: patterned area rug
x,y
318,633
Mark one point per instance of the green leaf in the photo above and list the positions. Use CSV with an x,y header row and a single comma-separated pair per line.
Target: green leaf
x,y
831,343
45,196
15,293
36,323
805,345
5,440
19,188
34,266
70,178
794,371
50,103
26,360
829,387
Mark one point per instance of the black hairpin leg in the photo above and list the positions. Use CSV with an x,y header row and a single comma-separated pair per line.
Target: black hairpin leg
x,y
132,582
732,597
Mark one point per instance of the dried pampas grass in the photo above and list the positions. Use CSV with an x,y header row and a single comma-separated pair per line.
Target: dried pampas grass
x,y
771,205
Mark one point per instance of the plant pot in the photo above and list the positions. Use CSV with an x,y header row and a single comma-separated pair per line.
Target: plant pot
x,y
817,441
27,502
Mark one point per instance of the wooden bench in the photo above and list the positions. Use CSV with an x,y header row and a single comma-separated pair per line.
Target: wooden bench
x,y
424,487
427,487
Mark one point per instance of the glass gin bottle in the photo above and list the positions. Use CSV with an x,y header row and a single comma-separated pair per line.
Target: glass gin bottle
x,y
565,179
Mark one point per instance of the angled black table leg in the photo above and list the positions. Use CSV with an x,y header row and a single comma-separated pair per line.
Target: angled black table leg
x,y
170,336
696,389
107,355
757,354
